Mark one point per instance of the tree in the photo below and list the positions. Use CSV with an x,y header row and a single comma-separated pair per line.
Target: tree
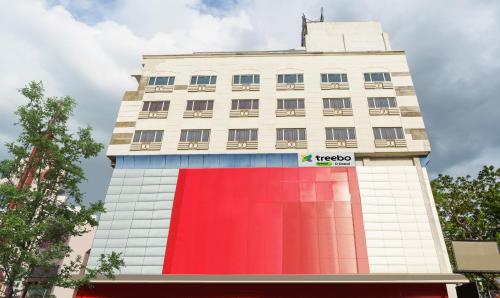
x,y
469,209
35,223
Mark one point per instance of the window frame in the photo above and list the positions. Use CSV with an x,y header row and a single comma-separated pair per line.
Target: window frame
x,y
138,136
254,103
350,132
170,81
342,76
297,101
204,132
299,78
368,76
390,101
212,80
346,102
378,133
209,104
281,131
255,79
233,133
146,106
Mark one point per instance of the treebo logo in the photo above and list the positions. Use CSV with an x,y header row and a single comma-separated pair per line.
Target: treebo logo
x,y
306,158
333,158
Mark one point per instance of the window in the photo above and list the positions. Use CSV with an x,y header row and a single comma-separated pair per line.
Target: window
x,y
161,81
245,104
148,136
246,79
203,80
377,77
291,134
337,103
333,77
382,102
340,133
290,78
242,135
155,106
200,105
388,133
195,135
291,104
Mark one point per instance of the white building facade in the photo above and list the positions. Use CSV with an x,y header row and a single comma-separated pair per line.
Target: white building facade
x,y
220,121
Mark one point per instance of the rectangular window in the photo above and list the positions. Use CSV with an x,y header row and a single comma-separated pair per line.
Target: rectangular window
x,y
195,135
333,77
155,106
245,104
382,102
242,135
200,105
203,80
246,79
148,136
337,103
340,133
377,77
155,81
291,134
291,104
388,133
290,78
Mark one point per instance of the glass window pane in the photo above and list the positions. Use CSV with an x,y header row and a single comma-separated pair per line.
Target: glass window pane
x,y
161,80
166,105
155,106
290,78
183,135
280,103
329,133
371,103
352,133
324,78
145,106
280,78
255,103
213,79
300,103
236,79
392,102
203,80
193,80
159,136
326,103
210,105
302,134
344,77
279,134
387,76
300,78
234,104
377,77
399,133
367,77
137,136
245,104
230,136
256,79
334,77
147,136
171,80
151,81
246,79
189,106
206,135
347,103
376,133
253,136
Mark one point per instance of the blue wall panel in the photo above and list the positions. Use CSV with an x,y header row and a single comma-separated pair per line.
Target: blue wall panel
x,y
272,160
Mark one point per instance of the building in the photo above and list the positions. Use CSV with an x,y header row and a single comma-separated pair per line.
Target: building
x,y
294,173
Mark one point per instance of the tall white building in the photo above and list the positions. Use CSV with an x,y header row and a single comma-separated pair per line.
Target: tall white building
x,y
242,172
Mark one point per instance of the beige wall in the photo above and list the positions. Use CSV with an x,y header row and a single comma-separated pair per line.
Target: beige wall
x,y
268,65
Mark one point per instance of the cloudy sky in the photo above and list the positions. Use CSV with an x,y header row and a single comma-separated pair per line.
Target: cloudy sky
x,y
88,49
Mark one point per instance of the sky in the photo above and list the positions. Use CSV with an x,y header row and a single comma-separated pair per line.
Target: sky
x,y
88,49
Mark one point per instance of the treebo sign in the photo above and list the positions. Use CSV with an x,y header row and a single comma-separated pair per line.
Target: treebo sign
x,y
326,160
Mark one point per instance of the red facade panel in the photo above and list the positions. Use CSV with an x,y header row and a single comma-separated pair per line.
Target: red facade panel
x,y
266,221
